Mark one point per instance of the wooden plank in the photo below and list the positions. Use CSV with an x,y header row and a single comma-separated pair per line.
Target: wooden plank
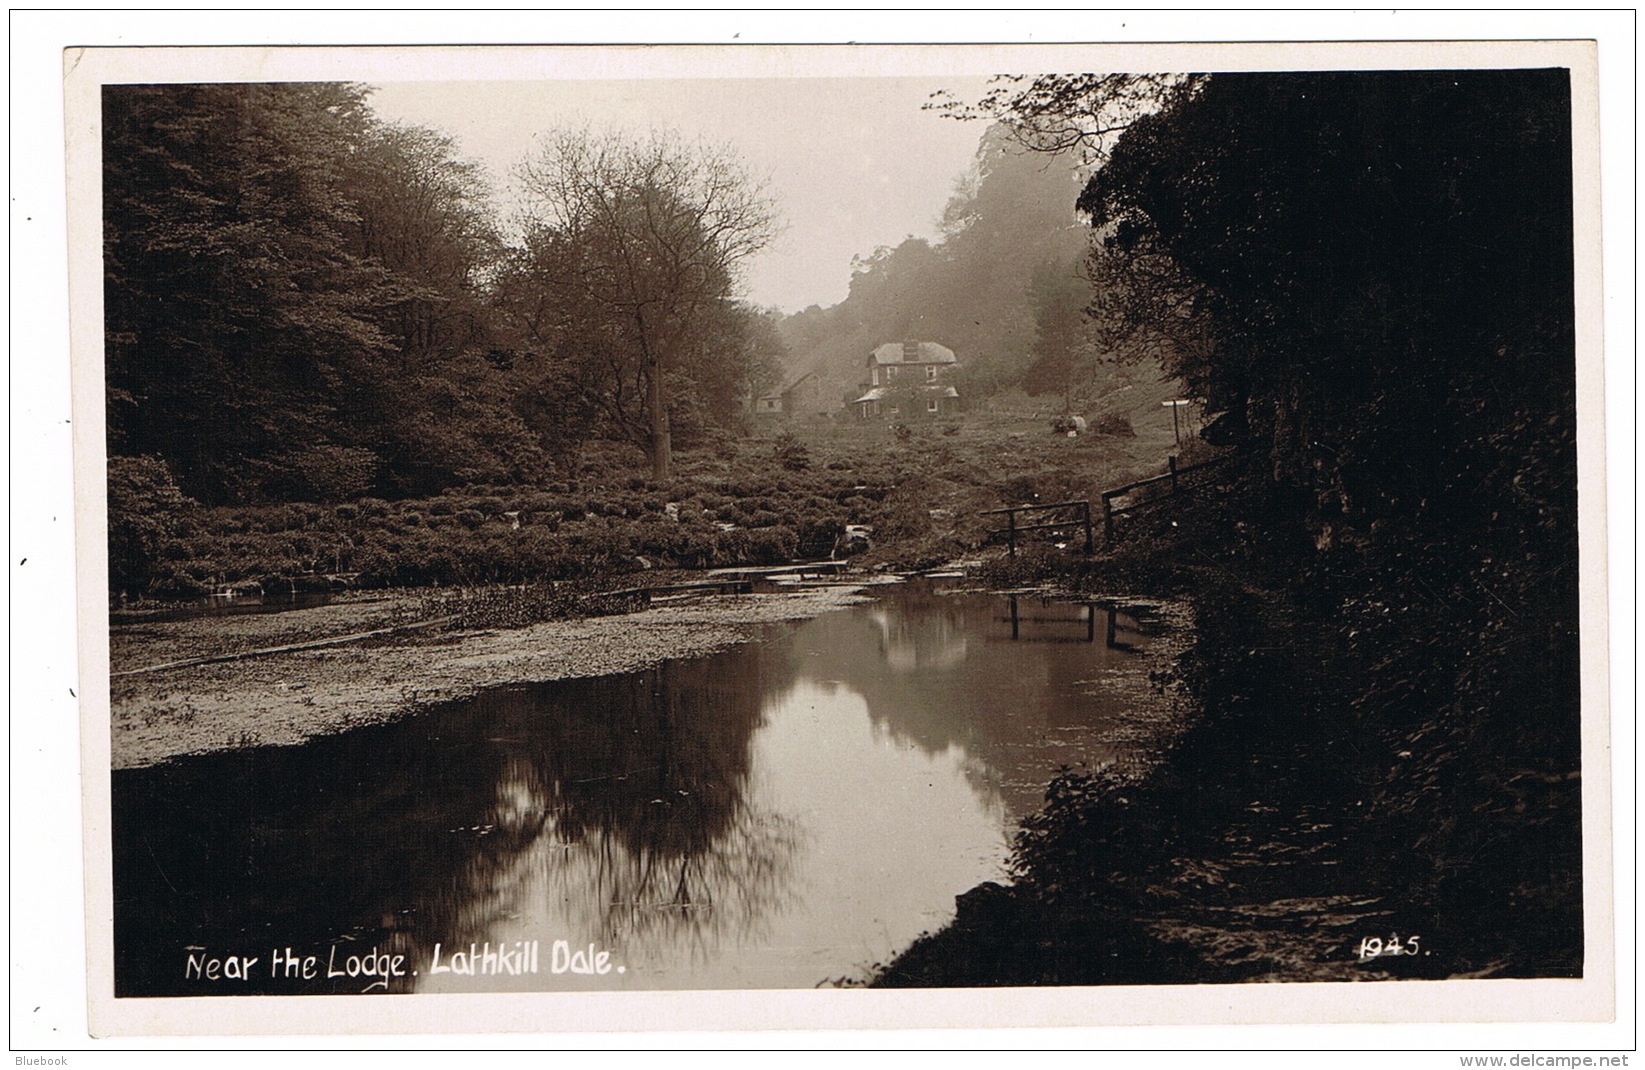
x,y
1027,508
1046,527
311,645
754,571
1129,487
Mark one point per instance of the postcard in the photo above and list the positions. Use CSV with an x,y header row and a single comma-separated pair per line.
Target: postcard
x,y
879,536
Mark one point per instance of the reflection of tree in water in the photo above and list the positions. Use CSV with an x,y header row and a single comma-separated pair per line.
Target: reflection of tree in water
x,y
654,904
631,814
439,827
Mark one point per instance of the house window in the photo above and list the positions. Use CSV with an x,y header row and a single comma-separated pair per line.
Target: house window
x,y
930,373
894,410
890,374
931,405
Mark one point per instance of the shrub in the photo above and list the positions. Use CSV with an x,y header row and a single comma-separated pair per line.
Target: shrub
x,y
1113,423
326,473
791,453
145,511
816,538
905,513
772,546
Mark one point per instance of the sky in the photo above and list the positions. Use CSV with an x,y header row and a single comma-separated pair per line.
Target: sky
x,y
852,163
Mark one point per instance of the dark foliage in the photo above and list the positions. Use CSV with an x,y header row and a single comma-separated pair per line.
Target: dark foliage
x,y
1383,261
305,303
1369,279
147,517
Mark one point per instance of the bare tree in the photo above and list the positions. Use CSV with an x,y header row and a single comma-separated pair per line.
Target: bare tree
x,y
650,233
1057,113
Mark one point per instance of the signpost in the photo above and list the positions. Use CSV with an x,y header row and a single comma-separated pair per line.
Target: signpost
x,y
1174,405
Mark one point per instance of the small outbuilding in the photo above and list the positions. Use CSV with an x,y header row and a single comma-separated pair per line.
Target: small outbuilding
x,y
798,396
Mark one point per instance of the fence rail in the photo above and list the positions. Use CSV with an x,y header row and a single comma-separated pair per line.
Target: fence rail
x,y
1012,529
1172,476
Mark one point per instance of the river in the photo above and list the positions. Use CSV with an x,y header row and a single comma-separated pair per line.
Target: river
x,y
786,813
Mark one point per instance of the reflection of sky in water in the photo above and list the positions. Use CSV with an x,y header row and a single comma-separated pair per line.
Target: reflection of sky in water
x,y
779,815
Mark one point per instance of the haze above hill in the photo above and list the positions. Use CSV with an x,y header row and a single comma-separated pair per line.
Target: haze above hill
x,y
855,163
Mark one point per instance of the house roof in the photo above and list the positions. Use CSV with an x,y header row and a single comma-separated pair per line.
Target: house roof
x,y
776,395
878,393
929,353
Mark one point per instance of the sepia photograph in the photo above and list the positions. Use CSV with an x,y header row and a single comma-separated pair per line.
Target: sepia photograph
x,y
1097,527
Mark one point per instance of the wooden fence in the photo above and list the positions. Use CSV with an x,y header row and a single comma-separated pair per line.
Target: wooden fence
x,y
1173,477
1081,509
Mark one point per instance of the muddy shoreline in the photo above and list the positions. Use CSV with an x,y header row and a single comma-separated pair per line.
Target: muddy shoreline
x,y
286,698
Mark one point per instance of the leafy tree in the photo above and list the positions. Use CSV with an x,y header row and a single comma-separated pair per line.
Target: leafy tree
x,y
1060,293
294,297
423,214
1369,277
1367,274
237,316
446,413
145,512
638,242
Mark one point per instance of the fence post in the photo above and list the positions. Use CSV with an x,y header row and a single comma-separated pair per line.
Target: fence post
x,y
1107,521
1086,510
1011,532
1171,463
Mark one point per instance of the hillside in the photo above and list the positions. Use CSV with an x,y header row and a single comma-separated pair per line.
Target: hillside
x,y
947,472
1003,286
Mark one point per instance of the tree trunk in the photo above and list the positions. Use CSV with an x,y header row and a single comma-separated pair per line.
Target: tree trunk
x,y
661,442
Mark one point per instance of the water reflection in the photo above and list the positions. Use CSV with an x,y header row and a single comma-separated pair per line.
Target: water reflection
x,y
779,814
1016,682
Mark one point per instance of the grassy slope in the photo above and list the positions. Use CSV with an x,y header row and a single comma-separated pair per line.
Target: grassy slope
x,y
1001,452
735,499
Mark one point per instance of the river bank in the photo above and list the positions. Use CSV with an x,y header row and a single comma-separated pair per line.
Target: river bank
x,y
288,697
1310,825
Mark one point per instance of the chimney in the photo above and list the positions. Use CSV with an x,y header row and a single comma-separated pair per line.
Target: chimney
x,y
910,352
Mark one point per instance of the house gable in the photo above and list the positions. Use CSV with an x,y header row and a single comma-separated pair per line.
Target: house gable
x,y
915,363
797,396
897,361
